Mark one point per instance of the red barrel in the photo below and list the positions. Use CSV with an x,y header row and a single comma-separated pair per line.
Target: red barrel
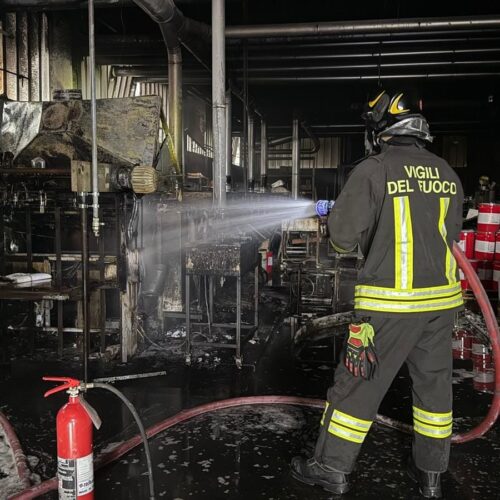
x,y
463,279
484,374
462,344
488,219
485,273
467,240
484,381
480,354
497,247
485,246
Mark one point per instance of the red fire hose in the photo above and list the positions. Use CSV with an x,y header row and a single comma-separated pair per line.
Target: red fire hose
x,y
19,457
188,414
494,333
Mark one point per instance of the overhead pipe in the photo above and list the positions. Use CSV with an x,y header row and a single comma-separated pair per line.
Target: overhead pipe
x,y
93,115
174,97
262,80
263,154
295,159
316,79
115,44
396,36
219,102
172,25
280,69
135,70
380,41
358,55
146,58
368,26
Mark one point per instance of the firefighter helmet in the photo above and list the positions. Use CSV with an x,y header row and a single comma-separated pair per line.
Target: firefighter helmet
x,y
397,115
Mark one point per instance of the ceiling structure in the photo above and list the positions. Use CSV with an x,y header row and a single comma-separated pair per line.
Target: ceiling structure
x,y
325,78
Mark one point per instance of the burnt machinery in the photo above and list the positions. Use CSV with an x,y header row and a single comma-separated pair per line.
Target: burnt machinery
x,y
45,169
230,258
320,280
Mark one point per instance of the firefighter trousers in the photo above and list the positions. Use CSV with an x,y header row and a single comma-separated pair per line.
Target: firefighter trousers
x,y
424,342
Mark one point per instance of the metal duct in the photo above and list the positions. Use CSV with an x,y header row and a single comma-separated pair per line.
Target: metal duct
x,y
295,159
170,20
219,101
370,26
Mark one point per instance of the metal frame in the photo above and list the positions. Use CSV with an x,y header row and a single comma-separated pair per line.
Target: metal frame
x,y
60,292
238,326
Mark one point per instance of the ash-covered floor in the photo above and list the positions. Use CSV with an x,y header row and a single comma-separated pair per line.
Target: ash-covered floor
x,y
242,452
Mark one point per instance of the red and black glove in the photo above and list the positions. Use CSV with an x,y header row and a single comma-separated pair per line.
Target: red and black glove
x,y
360,358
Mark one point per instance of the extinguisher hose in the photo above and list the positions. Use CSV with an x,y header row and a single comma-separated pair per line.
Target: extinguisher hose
x,y
142,431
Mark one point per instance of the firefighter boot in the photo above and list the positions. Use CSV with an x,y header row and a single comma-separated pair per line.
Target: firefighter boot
x,y
315,474
429,483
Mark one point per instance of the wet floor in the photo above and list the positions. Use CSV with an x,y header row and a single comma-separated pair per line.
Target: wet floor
x,y
243,452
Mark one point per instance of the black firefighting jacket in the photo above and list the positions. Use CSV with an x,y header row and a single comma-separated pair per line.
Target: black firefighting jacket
x,y
403,207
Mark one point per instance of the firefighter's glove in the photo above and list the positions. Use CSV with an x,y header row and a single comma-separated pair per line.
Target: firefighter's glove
x,y
360,357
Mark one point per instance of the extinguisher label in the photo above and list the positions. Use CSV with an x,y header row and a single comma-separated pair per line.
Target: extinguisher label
x,y
84,475
67,478
76,477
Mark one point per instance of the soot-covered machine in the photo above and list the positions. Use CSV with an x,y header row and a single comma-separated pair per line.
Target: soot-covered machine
x,y
321,281
47,241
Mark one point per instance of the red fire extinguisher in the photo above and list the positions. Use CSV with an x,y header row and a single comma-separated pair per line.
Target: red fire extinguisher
x,y
269,265
75,467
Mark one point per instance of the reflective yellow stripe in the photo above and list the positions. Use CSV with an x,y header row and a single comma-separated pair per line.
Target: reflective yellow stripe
x,y
350,421
413,300
431,417
442,304
432,431
347,434
450,263
403,243
397,243
378,292
409,242
324,413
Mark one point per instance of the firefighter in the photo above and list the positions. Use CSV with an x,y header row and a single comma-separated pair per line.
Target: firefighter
x,y
403,208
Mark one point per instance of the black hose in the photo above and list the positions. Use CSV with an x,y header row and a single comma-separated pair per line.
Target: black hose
x,y
137,418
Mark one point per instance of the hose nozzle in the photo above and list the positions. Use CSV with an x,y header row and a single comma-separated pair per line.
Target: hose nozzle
x,y
323,207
